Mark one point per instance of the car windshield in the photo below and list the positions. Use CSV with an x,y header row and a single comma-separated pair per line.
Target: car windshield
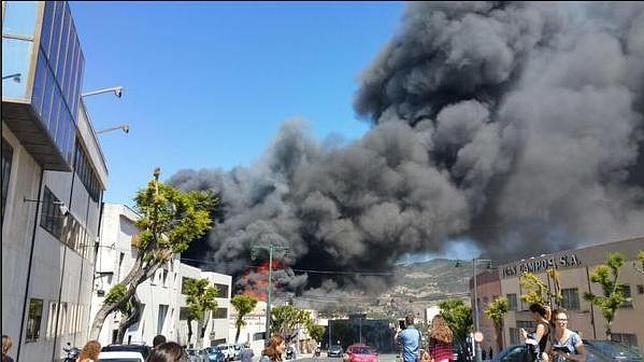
x,y
361,350
615,350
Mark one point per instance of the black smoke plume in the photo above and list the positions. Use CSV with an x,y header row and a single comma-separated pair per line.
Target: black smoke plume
x,y
518,125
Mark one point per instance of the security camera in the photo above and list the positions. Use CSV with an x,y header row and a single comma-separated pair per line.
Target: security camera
x,y
118,92
63,208
126,129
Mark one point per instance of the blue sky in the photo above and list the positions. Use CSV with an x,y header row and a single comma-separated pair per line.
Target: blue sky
x,y
207,85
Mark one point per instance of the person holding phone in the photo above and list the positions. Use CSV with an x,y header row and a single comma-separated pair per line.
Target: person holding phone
x,y
537,340
566,345
409,338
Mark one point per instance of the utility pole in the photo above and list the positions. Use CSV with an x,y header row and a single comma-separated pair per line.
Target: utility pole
x,y
270,248
476,312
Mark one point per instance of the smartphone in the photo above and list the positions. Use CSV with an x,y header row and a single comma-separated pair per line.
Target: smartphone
x,y
560,349
401,324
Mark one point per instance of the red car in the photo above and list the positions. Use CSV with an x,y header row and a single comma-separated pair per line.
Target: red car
x,y
361,353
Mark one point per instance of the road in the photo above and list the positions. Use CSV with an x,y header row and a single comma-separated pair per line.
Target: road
x,y
381,358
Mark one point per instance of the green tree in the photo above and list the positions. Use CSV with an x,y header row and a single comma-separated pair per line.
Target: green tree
x,y
496,311
614,295
200,301
458,317
315,331
537,291
169,221
288,319
244,304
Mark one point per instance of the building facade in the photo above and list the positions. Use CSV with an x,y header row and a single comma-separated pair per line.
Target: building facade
x,y
252,333
488,289
53,178
163,304
574,268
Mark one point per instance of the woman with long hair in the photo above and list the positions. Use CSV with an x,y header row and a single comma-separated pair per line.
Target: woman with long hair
x,y
168,352
440,341
537,340
90,352
566,345
6,346
274,350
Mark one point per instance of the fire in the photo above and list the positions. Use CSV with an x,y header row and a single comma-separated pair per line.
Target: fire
x,y
255,280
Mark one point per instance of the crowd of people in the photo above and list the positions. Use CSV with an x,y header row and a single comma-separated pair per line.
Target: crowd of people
x,y
550,341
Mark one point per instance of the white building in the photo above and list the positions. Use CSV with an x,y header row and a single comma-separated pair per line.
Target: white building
x,y
253,332
163,305
53,178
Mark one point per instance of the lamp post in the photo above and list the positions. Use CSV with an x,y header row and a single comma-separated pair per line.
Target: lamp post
x,y
476,304
14,76
118,92
270,248
124,127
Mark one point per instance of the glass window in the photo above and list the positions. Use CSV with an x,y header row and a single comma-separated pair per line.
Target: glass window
x,y
19,17
51,319
52,52
627,293
51,218
222,290
39,84
62,49
7,157
79,80
570,299
34,318
220,313
45,32
62,127
55,110
69,69
16,55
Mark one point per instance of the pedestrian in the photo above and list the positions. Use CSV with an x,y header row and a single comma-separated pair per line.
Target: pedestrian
x,y
440,341
6,346
275,350
90,352
410,339
168,352
484,354
537,340
158,340
246,354
491,353
566,345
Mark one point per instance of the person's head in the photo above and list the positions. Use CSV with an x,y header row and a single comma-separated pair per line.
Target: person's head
x,y
168,352
560,319
6,344
91,351
158,340
409,320
441,331
538,311
276,348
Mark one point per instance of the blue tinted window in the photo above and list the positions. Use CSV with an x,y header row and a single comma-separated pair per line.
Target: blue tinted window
x,y
69,66
79,80
48,18
39,83
49,94
19,17
52,52
72,79
16,56
60,130
55,107
71,137
62,49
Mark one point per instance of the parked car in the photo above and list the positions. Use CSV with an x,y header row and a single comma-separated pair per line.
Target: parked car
x,y
361,353
215,355
599,350
197,355
229,351
124,353
335,351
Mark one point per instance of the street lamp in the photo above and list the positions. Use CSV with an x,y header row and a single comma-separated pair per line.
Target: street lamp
x,y
15,77
124,127
118,92
475,302
61,205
